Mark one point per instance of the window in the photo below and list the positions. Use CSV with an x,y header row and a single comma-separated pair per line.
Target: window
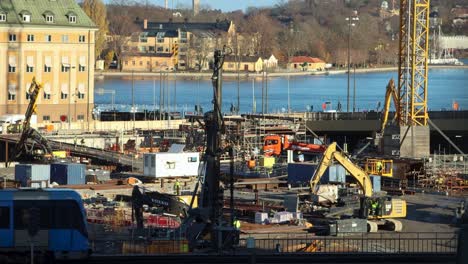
x,y
11,68
64,38
26,18
72,19
126,62
4,217
160,49
29,68
47,68
80,117
192,159
46,96
2,17
28,96
80,95
49,18
160,40
61,214
141,63
11,96
48,38
81,68
133,63
12,37
46,118
65,68
63,95
30,37
82,38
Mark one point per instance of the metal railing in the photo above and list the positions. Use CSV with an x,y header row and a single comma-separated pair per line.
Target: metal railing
x,y
289,243
387,243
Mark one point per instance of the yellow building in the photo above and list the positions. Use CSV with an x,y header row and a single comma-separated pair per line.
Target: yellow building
x,y
185,41
305,63
53,41
148,62
246,63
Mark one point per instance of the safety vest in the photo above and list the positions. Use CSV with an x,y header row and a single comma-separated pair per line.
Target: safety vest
x,y
237,224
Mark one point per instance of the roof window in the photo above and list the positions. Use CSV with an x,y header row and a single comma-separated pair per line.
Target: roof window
x,y
2,17
49,16
71,17
25,16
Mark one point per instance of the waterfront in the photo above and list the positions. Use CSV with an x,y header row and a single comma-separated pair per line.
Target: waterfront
x,y
445,85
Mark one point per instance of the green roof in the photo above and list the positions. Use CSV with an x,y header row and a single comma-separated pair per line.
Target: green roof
x,y
61,10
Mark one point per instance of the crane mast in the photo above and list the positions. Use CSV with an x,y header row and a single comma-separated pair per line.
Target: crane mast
x,y
413,62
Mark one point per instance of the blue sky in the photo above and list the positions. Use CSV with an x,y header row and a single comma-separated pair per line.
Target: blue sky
x,y
225,5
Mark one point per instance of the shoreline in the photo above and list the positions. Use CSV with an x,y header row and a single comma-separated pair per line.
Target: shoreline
x,y
242,75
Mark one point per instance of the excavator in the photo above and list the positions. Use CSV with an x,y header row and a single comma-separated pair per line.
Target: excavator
x,y
275,145
390,94
166,203
28,133
378,210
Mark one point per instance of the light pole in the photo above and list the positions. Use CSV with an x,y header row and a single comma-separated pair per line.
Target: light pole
x,y
351,19
101,91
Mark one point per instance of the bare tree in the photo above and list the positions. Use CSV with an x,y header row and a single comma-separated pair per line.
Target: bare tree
x,y
121,27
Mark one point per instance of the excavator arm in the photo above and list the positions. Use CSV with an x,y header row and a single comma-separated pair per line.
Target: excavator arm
x,y
390,94
28,132
331,154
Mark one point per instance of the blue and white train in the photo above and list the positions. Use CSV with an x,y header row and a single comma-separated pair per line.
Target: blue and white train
x,y
62,230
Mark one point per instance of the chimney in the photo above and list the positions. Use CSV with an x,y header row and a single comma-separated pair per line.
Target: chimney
x,y
145,24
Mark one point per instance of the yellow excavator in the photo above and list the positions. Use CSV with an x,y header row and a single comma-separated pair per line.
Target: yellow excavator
x,y
378,210
391,94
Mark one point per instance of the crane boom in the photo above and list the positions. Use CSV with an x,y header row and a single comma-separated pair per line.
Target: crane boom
x,y
331,154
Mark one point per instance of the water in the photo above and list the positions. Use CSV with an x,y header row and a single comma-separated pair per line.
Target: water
x,y
445,85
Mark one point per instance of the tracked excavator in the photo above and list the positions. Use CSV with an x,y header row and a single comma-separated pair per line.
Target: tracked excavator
x,y
22,151
378,210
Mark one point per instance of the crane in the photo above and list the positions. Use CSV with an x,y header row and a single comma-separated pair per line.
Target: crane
x,y
28,132
205,224
413,62
388,208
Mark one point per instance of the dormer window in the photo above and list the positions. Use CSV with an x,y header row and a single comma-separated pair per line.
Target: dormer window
x,y
2,17
25,16
49,16
71,17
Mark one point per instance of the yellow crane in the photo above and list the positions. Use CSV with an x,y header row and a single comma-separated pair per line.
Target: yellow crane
x,y
379,210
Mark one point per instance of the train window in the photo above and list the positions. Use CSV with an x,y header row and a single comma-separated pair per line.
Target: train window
x,y
4,217
65,214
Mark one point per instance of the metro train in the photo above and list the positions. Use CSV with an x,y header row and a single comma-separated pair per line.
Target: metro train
x,y
60,221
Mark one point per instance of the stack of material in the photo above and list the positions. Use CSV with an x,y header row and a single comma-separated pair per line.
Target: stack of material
x,y
282,217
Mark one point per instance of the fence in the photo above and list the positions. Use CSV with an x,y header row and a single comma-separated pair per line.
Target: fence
x,y
387,243
352,243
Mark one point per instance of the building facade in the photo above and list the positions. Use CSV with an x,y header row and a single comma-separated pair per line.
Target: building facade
x,y
243,64
305,63
52,40
189,44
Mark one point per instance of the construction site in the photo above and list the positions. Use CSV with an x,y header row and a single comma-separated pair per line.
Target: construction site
x,y
322,187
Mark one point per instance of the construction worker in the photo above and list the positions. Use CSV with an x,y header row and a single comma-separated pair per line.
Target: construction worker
x,y
177,187
236,224
379,166
374,207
